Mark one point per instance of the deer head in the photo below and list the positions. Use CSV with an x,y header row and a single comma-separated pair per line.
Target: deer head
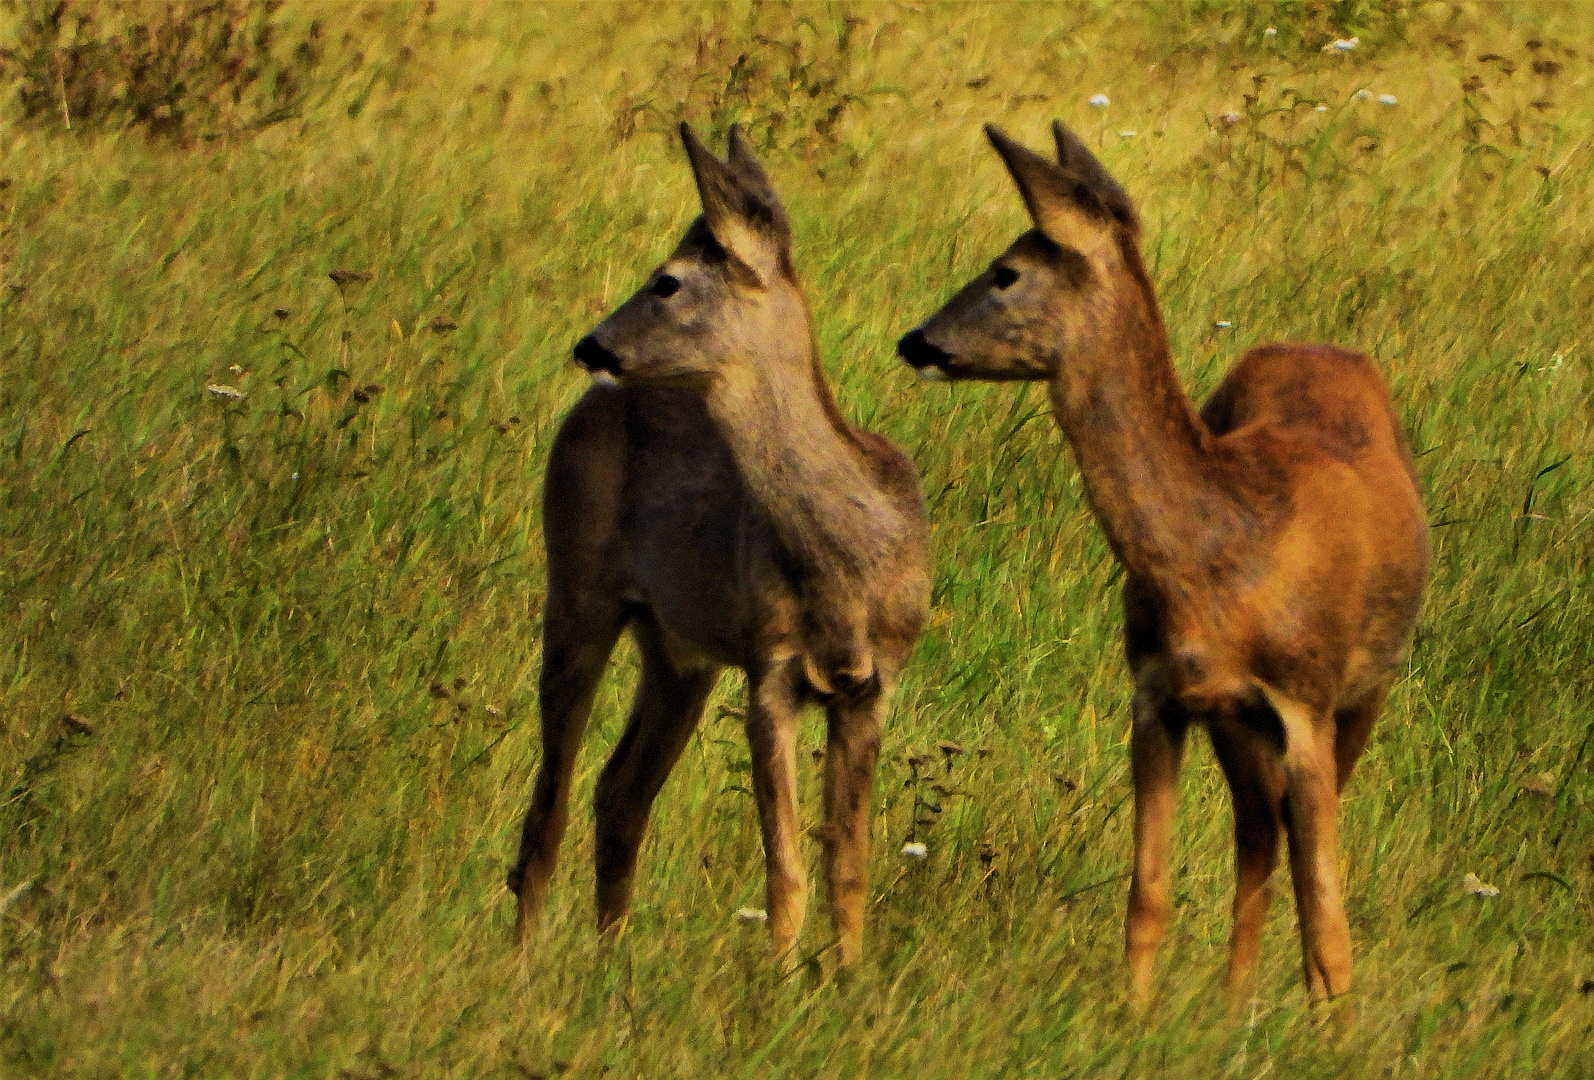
x,y
1049,294
726,295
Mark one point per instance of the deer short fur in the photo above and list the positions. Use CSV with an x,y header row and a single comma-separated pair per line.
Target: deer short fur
x,y
708,494
1274,543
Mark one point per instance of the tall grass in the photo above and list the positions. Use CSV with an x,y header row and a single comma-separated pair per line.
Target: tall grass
x,y
267,665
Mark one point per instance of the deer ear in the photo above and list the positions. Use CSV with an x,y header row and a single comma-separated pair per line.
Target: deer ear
x,y
1093,181
740,207
749,173
763,207
1064,214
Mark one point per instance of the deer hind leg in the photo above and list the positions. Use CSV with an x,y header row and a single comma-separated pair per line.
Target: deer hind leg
x,y
666,710
772,740
1352,728
577,639
1311,808
852,750
1156,747
1257,783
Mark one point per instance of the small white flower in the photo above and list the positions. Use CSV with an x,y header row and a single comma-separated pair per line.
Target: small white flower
x,y
916,850
222,390
1343,45
1223,324
1479,888
1270,33
294,477
1322,108
1231,118
1127,134
1100,101
1362,95
750,914
1387,99
235,369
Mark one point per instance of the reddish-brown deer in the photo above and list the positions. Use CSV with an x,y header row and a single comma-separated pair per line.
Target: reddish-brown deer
x,y
708,494
1274,544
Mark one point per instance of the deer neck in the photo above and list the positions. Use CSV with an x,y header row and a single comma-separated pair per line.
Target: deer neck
x,y
1146,457
805,468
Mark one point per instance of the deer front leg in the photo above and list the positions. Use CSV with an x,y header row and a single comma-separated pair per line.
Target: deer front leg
x,y
1352,728
1156,746
772,740
577,639
1311,810
852,750
1256,782
668,705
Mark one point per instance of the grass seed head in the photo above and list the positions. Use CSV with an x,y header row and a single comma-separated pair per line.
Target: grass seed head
x,y
1542,784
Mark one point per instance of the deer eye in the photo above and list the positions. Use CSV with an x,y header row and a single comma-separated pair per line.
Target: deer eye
x,y
664,285
1003,276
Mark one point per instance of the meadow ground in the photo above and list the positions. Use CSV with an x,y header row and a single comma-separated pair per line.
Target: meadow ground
x,y
267,665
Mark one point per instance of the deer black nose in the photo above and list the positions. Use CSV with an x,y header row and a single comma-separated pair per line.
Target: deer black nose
x,y
916,349
594,357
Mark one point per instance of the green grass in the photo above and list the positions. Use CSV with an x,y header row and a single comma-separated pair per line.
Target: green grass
x,y
264,846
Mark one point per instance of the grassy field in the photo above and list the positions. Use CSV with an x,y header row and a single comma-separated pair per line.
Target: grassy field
x,y
268,665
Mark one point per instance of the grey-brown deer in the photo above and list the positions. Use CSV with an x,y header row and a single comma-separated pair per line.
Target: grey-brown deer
x,y
708,494
1274,544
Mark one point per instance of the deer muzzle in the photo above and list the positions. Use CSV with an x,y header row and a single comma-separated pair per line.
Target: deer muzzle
x,y
928,359
598,360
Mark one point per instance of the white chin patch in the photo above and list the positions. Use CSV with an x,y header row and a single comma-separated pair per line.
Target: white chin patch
x,y
604,378
931,373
